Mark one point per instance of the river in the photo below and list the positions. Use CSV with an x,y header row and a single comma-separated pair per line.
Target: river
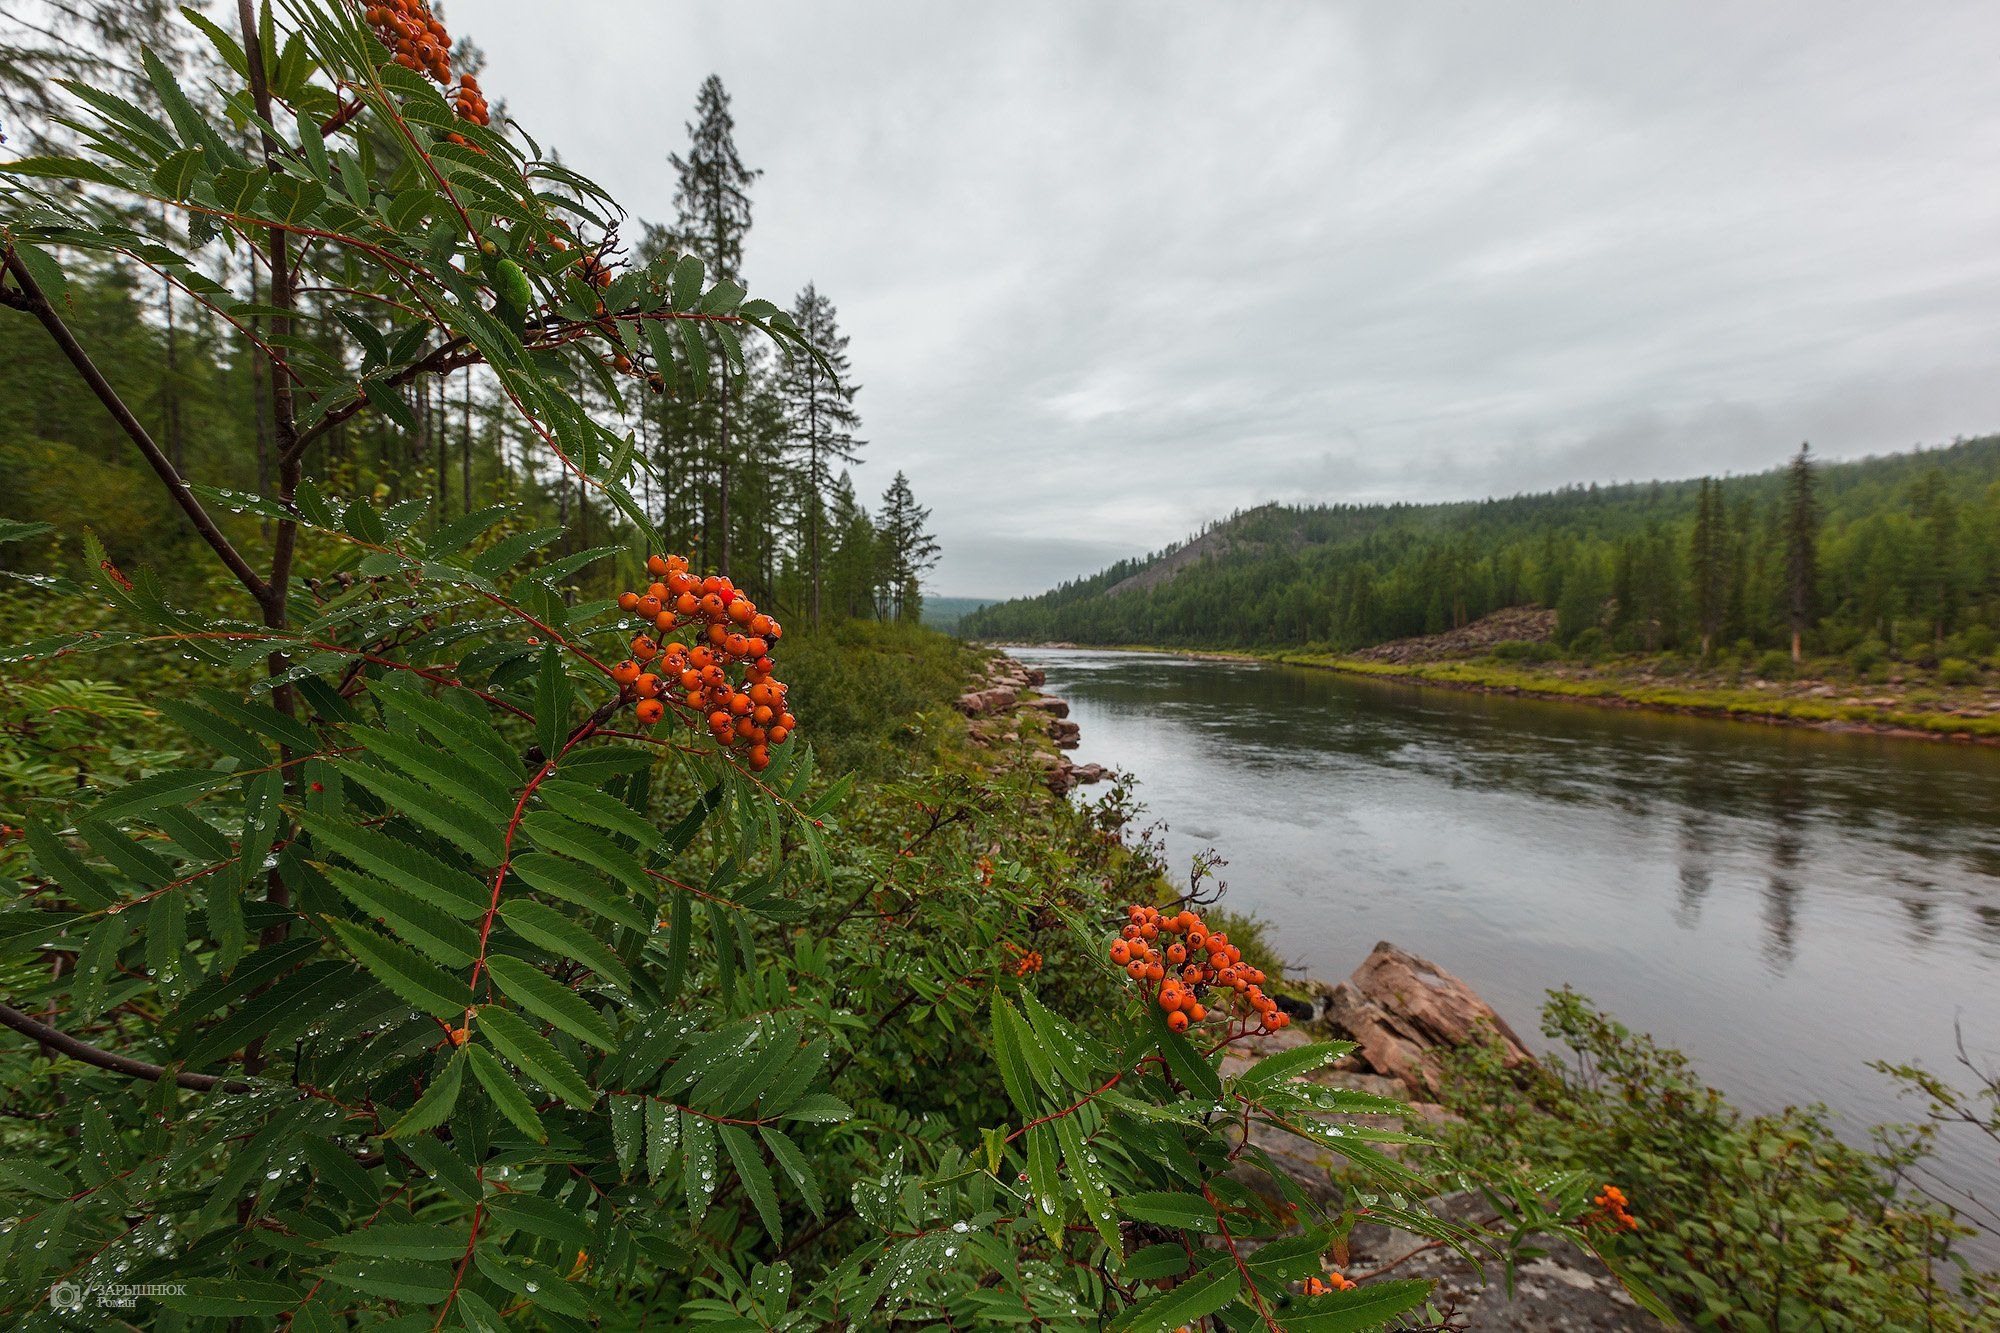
x,y
1783,904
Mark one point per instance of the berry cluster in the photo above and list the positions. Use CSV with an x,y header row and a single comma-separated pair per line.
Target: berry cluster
x,y
469,102
1202,963
1331,1282
1611,1210
418,41
414,35
1027,962
749,714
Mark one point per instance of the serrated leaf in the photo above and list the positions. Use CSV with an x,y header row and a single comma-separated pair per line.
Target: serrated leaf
x,y
1088,1181
416,871
417,982
443,773
392,1279
435,1106
756,1178
1202,1294
401,1240
1014,1071
1272,1069
541,924
592,806
819,1108
505,1092
549,1000
534,1055
1370,1305
574,884
474,833
412,920
793,1163
1184,1212
1189,1065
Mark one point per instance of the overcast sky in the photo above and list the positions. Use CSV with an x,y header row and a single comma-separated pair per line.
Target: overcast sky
x,y
1113,269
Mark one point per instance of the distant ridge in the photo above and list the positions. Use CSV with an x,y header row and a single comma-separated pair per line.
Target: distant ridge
x,y
1346,577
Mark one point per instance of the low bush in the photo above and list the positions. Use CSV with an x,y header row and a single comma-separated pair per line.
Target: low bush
x,y
1744,1222
1958,671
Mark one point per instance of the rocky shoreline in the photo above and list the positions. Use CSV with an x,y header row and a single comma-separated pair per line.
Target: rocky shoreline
x,y
1007,712
1404,1014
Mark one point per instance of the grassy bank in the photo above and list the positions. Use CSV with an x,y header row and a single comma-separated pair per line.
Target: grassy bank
x,y
1771,704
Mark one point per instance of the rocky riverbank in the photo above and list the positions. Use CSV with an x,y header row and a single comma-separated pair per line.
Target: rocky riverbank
x,y
1404,1014
1009,716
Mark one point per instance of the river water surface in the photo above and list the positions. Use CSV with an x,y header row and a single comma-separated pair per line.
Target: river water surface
x,y
1783,904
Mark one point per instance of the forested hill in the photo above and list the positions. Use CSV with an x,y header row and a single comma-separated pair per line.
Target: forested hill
x,y
1905,546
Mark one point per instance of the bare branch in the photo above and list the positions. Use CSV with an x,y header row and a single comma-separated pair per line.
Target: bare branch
x,y
57,1040
38,305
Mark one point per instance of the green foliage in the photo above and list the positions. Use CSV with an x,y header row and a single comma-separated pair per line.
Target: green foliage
x,y
391,975
868,685
1745,1222
1904,547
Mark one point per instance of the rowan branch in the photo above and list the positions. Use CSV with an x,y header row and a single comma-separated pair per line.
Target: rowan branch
x,y
39,305
58,1040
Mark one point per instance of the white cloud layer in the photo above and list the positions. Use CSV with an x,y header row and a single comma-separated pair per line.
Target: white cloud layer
x,y
1114,269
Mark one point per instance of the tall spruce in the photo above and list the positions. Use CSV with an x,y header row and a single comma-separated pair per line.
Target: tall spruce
x,y
1708,564
712,202
821,421
1801,549
908,550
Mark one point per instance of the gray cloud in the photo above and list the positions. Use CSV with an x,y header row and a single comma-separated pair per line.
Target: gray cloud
x,y
1112,270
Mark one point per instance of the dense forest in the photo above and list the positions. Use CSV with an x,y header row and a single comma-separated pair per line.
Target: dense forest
x,y
751,475
1897,554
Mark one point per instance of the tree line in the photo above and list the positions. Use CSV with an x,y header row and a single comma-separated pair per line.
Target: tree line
x,y
1894,554
750,472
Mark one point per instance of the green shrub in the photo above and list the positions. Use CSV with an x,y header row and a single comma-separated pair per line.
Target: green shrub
x,y
1867,655
1775,665
1590,642
1978,641
1746,1222
1957,671
1526,650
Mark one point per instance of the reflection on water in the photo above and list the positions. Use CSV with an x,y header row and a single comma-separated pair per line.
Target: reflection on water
x,y
1784,904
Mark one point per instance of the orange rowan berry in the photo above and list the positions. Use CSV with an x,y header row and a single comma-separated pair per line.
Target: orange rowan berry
x,y
625,672
650,711
644,649
1136,970
1177,1021
628,601
649,606
459,1036
648,685
1120,953
655,565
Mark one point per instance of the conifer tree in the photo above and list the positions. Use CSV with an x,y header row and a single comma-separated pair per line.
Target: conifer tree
x,y
1708,564
1939,591
1801,528
712,202
821,420
908,550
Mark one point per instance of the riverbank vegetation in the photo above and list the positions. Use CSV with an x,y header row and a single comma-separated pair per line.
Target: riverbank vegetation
x,y
398,928
1889,566
1745,1221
